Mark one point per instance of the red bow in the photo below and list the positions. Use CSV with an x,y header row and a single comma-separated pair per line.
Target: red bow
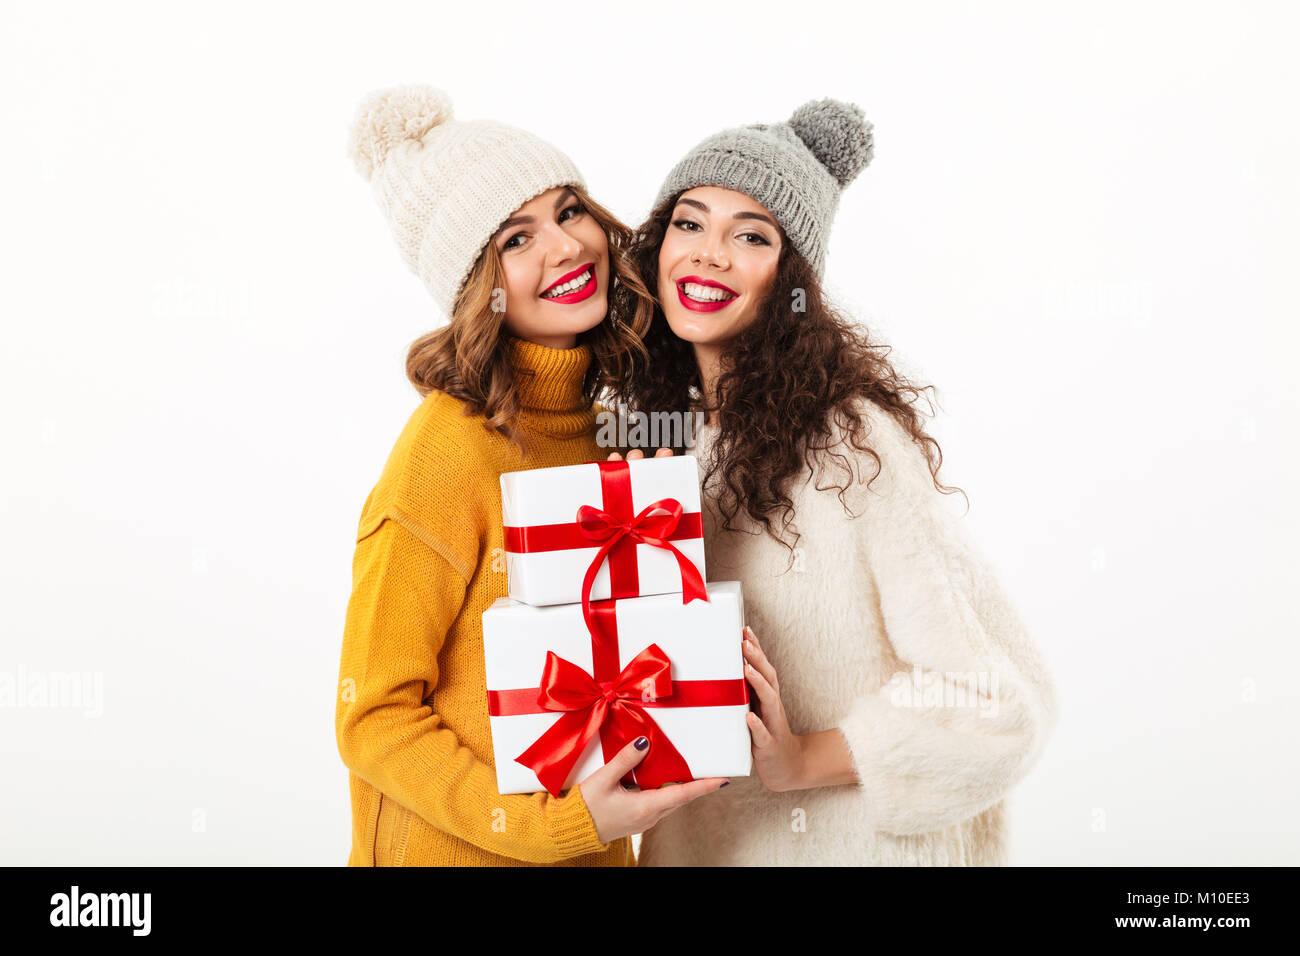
x,y
607,707
622,531
646,527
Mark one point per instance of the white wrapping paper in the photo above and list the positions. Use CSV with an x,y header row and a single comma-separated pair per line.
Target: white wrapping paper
x,y
545,496
701,639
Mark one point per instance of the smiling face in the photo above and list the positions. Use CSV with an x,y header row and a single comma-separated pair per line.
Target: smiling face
x,y
555,257
717,262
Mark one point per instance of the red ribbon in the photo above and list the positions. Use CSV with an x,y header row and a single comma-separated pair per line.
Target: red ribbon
x,y
610,702
618,531
590,707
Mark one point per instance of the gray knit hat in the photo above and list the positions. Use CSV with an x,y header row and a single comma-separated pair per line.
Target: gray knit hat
x,y
795,169
447,185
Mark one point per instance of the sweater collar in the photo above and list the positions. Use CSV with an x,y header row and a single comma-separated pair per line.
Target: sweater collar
x,y
546,379
549,385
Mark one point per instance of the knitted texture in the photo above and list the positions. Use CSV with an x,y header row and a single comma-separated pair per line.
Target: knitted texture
x,y
796,169
412,721
898,590
446,185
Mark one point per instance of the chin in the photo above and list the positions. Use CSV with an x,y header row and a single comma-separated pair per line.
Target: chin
x,y
577,325
692,329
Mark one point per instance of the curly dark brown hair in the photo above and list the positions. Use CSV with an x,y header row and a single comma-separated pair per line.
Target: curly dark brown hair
x,y
784,383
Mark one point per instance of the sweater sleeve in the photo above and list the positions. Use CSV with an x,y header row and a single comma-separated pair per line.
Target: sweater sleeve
x,y
405,597
968,713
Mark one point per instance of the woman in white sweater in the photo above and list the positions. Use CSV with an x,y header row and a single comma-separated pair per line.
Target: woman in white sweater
x,y
899,697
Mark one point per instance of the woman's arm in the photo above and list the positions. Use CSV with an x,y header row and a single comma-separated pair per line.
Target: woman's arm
x,y
405,598
969,712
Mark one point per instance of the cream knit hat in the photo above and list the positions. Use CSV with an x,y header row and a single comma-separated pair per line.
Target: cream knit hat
x,y
447,185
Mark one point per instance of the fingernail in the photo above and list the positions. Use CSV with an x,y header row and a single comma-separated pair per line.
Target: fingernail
x,y
641,743
725,783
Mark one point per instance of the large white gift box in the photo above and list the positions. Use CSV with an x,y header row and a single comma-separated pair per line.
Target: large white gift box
x,y
549,549
652,665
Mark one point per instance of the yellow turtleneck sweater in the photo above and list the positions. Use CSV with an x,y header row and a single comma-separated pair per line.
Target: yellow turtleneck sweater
x,y
412,720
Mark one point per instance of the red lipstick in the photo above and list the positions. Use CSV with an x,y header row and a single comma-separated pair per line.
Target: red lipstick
x,y
577,295
694,306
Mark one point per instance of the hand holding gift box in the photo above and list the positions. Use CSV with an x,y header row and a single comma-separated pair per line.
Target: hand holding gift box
x,y
611,652
563,699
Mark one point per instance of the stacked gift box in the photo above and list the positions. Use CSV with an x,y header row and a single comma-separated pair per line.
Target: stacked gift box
x,y
610,631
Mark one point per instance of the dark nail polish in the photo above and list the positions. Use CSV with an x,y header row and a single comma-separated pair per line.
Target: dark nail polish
x,y
641,743
725,783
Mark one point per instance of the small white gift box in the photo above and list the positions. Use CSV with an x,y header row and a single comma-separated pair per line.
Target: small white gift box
x,y
550,547
652,666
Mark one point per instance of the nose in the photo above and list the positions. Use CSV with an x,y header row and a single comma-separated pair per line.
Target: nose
x,y
561,245
707,250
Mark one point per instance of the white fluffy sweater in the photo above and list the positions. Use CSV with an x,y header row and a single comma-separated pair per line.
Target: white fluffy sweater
x,y
900,592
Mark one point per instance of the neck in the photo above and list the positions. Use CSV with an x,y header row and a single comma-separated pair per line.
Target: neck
x,y
708,357
559,342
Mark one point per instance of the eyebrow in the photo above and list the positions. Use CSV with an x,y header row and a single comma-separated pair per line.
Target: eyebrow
x,y
520,220
740,215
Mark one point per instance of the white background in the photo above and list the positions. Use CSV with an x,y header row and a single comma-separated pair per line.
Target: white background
x,y
1080,225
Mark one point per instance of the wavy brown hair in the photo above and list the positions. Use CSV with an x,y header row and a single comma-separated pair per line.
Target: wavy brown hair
x,y
783,384
465,360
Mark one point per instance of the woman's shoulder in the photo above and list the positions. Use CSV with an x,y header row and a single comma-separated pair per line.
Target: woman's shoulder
x,y
438,474
439,438
872,437
442,411
871,455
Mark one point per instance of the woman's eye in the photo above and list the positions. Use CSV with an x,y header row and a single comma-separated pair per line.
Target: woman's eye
x,y
761,240
576,209
510,243
683,223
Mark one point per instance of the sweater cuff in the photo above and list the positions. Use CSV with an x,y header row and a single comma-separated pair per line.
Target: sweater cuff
x,y
572,828
861,728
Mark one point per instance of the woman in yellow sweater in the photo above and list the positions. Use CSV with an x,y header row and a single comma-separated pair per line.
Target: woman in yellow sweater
x,y
544,313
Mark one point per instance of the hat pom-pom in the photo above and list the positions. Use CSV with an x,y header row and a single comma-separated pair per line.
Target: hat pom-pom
x,y
838,134
387,117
